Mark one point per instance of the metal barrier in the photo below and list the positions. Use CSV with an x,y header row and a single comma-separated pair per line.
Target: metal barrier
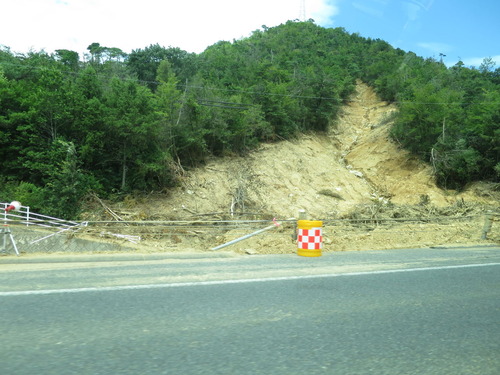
x,y
338,234
16,214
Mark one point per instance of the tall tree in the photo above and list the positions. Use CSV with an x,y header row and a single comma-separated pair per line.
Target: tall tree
x,y
131,133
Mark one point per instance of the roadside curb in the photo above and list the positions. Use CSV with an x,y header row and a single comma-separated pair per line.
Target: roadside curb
x,y
86,258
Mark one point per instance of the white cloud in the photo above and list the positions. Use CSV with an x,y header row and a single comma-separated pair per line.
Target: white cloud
x,y
435,47
371,10
477,61
191,25
322,11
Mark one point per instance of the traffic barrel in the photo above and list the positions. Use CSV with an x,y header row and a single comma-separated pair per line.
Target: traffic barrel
x,y
309,238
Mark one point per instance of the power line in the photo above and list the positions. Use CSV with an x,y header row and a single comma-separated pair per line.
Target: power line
x,y
247,92
222,104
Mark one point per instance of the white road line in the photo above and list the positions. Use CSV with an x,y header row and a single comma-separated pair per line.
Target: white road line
x,y
237,281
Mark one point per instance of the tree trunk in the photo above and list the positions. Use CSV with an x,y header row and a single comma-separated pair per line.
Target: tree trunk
x,y
124,168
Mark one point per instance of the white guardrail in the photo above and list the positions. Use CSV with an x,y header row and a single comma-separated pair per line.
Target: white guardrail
x,y
16,214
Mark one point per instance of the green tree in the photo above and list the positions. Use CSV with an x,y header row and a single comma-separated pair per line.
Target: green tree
x,y
67,183
68,58
144,63
455,163
431,113
482,131
131,133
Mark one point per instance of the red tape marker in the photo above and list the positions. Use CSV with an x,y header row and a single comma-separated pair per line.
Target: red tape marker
x,y
13,206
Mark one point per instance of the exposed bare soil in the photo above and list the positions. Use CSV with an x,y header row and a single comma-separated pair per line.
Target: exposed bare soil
x,y
354,171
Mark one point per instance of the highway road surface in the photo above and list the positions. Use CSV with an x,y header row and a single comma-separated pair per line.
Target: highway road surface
x,y
420,311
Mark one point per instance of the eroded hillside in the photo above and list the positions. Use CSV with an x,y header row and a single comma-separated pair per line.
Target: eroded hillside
x,y
325,174
331,176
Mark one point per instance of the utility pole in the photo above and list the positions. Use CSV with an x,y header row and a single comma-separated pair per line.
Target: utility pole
x,y
442,55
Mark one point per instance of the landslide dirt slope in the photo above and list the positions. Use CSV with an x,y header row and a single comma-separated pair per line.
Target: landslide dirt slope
x,y
330,175
326,174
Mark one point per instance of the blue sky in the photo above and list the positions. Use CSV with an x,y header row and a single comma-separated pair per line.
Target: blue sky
x,y
459,29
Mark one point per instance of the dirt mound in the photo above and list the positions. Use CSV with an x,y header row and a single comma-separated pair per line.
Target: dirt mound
x,y
355,167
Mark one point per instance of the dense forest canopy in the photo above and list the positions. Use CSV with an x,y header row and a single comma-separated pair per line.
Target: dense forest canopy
x,y
115,123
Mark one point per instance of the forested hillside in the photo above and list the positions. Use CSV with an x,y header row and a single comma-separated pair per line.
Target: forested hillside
x,y
115,123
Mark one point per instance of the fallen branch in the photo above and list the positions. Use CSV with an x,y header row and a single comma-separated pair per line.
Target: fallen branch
x,y
106,208
190,211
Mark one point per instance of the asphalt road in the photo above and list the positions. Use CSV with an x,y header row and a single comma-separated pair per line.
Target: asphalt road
x,y
426,311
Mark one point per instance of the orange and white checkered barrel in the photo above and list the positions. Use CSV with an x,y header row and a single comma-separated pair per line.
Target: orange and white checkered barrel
x,y
309,238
